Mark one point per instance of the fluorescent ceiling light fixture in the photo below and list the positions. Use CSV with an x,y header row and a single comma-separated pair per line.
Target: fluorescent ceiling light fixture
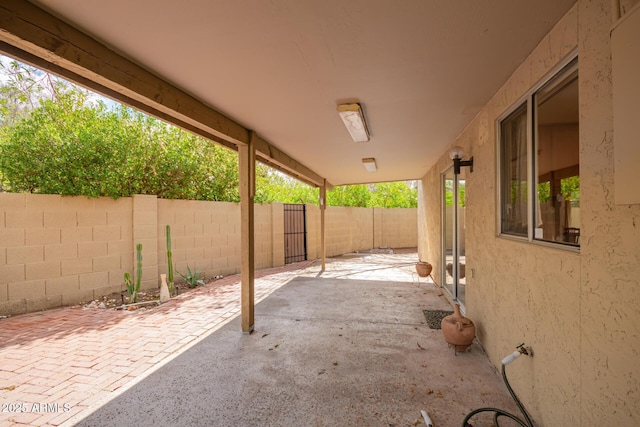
x,y
351,115
370,164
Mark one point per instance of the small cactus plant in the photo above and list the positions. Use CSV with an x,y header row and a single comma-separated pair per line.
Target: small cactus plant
x,y
170,283
134,288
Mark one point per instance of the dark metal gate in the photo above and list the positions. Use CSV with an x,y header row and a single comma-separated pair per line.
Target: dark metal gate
x,y
295,233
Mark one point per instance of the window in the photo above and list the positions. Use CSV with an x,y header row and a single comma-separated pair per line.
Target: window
x,y
539,163
513,131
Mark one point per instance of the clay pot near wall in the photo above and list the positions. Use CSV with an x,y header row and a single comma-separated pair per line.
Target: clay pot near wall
x,y
423,268
458,330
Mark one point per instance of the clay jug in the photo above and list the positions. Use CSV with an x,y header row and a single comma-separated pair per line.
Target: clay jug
x,y
164,289
458,330
423,268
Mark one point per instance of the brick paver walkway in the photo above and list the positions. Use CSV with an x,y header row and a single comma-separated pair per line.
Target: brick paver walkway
x,y
56,364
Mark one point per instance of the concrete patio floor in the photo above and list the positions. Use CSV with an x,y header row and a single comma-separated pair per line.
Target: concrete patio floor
x,y
346,347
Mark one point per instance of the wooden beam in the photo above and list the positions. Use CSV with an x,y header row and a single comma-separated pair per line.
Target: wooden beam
x,y
276,166
275,157
247,168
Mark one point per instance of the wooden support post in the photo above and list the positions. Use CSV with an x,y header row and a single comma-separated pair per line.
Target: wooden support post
x,y
323,205
247,168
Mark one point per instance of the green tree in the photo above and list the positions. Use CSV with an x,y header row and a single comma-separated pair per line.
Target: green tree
x,y
349,195
275,187
22,89
394,195
57,149
57,139
65,147
570,188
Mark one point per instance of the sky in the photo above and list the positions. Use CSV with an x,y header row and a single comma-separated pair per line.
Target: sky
x,y
4,78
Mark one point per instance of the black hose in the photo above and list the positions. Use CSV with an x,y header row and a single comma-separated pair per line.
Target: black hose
x,y
500,412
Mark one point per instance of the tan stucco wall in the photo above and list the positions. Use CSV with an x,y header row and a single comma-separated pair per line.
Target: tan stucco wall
x,y
610,274
62,250
579,311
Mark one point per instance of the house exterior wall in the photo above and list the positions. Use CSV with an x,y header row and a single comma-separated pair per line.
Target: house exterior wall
x,y
57,251
610,295
577,310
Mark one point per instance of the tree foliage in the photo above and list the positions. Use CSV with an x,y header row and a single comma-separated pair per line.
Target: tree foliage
x,y
462,193
272,186
394,195
56,139
569,190
22,89
275,187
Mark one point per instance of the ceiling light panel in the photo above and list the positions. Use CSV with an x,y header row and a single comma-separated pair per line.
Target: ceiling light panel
x,y
353,118
370,164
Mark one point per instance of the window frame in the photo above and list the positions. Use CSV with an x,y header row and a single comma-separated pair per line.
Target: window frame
x,y
521,104
528,98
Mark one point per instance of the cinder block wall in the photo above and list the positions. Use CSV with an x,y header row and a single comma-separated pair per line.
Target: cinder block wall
x,y
356,229
277,235
60,250
57,251
204,235
396,228
145,232
313,232
338,226
361,228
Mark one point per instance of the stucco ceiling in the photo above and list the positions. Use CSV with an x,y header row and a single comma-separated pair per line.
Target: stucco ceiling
x,y
421,69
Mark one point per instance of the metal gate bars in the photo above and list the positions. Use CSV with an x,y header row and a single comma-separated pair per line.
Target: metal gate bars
x,y
295,233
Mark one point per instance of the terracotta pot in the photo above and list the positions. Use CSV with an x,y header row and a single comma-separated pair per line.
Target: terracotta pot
x,y
423,269
458,330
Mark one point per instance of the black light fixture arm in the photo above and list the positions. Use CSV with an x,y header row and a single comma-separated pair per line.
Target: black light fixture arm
x,y
458,163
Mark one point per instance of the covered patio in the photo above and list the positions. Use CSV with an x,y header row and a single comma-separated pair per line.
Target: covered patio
x,y
347,346
269,79
272,80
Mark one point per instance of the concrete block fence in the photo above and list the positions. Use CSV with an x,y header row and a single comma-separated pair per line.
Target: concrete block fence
x,y
57,251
